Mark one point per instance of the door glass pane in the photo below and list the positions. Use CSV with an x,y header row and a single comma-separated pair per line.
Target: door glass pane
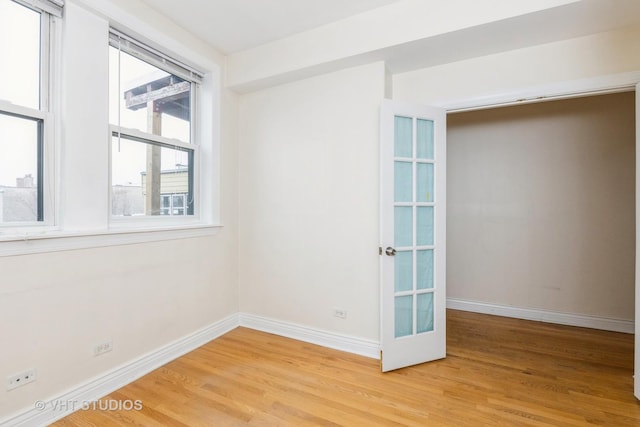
x,y
424,273
403,316
403,226
403,265
403,177
425,312
424,139
424,184
19,192
403,137
424,225
20,53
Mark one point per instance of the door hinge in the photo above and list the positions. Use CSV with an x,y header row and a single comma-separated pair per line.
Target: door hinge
x,y
380,250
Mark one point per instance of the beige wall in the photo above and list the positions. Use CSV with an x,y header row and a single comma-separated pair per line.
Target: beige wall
x,y
55,307
308,218
541,206
309,201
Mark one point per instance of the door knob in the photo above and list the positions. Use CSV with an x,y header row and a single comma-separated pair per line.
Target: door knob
x,y
390,251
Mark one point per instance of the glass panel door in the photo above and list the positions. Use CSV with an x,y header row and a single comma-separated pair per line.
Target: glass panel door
x,y
413,172
414,212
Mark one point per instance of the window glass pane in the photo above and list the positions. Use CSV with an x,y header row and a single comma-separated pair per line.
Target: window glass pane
x,y
424,182
178,200
424,139
403,316
403,137
20,53
144,176
403,271
424,225
178,204
403,179
146,98
165,205
424,273
425,312
403,226
19,191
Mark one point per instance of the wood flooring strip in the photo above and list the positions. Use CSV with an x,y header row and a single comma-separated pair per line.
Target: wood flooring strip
x,y
498,372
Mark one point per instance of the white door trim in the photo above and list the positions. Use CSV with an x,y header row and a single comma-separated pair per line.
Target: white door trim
x,y
600,85
567,89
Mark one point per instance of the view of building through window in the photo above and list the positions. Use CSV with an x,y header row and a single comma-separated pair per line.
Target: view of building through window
x,y
149,175
152,155
20,128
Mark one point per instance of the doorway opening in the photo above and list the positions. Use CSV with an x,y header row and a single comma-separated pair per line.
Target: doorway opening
x,y
541,210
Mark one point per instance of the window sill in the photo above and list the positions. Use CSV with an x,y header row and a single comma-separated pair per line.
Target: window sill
x,y
54,241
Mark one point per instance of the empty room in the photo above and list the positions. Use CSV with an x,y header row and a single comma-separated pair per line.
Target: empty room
x,y
384,212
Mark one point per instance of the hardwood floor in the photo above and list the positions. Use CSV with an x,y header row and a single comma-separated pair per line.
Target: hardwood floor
x,y
498,372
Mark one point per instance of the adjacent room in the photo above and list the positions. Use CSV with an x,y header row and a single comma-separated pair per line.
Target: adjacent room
x,y
231,213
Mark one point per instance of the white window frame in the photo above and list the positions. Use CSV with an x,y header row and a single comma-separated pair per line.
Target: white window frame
x,y
82,135
50,12
164,61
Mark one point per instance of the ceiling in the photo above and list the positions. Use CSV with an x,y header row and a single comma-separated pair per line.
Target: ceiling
x,y
248,32
235,25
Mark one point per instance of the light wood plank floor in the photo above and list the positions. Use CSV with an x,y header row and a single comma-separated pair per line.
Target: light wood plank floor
x,y
498,372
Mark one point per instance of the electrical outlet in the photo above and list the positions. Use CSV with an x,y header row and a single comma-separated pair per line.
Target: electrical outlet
x,y
20,379
338,312
102,348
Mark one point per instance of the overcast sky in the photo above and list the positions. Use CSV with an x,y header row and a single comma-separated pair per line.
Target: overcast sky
x,y
19,45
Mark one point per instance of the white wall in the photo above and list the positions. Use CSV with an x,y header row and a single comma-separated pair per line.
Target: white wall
x,y
303,241
357,39
540,207
55,307
587,57
309,201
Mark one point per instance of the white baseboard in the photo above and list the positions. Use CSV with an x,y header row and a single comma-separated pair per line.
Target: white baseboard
x,y
360,346
102,385
594,322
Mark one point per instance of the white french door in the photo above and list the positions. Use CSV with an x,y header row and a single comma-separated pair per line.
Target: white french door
x,y
412,249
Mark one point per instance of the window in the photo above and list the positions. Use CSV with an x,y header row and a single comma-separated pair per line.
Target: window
x,y
65,183
174,204
153,149
26,187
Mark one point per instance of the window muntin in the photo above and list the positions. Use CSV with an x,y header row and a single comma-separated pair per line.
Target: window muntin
x,y
151,105
25,121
